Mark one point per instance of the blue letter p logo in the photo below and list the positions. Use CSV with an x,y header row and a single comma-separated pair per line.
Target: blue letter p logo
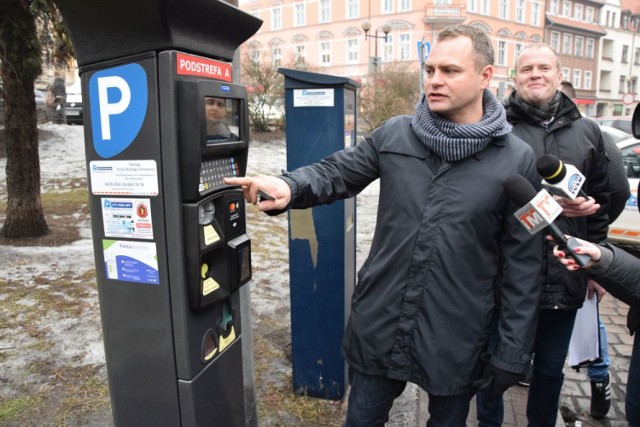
x,y
118,107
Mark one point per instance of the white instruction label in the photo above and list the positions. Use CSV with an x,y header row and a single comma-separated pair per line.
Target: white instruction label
x,y
124,177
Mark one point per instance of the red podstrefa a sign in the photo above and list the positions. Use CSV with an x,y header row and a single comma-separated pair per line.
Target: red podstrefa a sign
x,y
188,65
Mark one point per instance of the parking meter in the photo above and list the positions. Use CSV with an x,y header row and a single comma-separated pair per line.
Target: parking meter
x,y
321,113
164,123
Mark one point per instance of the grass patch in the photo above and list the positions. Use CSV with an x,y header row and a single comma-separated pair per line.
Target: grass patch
x,y
64,211
68,202
18,408
85,392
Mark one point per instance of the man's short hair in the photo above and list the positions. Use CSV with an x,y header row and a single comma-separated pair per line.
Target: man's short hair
x,y
567,88
540,46
480,41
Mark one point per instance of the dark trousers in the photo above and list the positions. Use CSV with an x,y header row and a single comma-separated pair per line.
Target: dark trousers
x,y
551,348
371,398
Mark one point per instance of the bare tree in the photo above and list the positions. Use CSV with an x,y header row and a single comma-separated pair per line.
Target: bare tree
x,y
265,87
387,93
29,30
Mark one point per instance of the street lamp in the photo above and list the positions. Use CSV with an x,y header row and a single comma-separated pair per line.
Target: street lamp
x,y
386,28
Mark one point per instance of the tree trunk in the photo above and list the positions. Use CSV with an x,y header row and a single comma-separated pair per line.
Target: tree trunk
x,y
21,64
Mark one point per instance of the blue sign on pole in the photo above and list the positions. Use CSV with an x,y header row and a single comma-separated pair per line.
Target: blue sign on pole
x,y
423,51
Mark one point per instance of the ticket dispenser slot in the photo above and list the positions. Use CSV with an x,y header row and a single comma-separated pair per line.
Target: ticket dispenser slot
x,y
218,251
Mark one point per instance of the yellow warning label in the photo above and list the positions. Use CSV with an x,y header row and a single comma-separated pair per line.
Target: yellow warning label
x,y
210,235
209,285
225,341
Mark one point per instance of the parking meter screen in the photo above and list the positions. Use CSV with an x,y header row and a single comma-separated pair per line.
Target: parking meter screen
x,y
222,116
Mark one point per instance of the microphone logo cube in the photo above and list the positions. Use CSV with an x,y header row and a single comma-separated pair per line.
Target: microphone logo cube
x,y
540,212
575,184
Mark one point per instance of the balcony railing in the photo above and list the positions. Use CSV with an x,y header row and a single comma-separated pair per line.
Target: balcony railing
x,y
445,14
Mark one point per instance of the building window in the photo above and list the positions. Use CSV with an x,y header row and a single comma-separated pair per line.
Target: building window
x,y
622,85
353,9
535,14
353,50
577,11
404,47
504,9
472,5
520,15
517,48
325,11
485,7
502,52
566,8
567,41
555,6
587,80
299,15
387,6
565,74
589,51
300,55
276,56
276,18
625,54
588,16
579,46
577,76
404,5
387,49
325,53
555,41
636,56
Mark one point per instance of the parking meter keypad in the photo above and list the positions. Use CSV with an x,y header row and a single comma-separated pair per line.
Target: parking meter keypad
x,y
213,171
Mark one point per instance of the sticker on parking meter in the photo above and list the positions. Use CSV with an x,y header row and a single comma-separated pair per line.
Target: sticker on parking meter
x,y
129,218
118,100
210,235
131,261
124,177
313,98
209,285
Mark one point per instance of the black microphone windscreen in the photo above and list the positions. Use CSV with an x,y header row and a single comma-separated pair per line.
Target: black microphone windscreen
x,y
519,189
551,169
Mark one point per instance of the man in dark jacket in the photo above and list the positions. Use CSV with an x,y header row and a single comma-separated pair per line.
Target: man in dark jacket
x,y
551,123
445,237
58,97
619,273
619,192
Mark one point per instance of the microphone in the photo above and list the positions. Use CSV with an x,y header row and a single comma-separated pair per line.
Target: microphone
x,y
563,180
538,211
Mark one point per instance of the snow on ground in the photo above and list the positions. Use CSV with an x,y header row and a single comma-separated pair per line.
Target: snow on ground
x,y
77,339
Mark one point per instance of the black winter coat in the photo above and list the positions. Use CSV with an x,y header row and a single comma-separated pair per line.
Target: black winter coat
x,y
422,308
620,276
576,141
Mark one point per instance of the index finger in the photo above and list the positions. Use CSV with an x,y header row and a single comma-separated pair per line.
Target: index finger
x,y
238,181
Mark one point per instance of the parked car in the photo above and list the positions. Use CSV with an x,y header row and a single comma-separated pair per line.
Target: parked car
x,y
73,104
619,122
614,133
626,229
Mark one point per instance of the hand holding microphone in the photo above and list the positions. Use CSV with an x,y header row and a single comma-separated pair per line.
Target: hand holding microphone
x,y
566,181
538,211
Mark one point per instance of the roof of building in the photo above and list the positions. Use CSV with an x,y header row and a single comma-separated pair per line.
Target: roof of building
x,y
566,22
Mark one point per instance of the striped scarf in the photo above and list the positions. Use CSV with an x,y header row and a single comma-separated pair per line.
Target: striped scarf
x,y
454,142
